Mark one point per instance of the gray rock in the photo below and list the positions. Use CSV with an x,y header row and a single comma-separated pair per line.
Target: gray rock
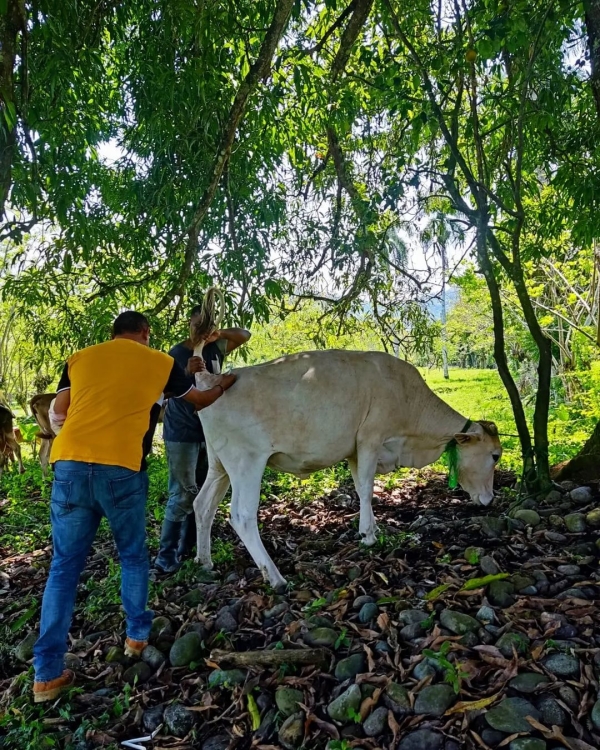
x,y
368,612
562,665
568,485
470,640
318,621
349,667
426,668
555,537
186,649
192,598
82,644
217,742
522,582
396,698
529,517
226,678
340,708
527,743
507,641
360,601
287,700
321,637
457,622
551,711
528,682
275,611
572,594
488,565
553,498
596,714
291,732
486,614
160,626
267,725
569,697
178,720
593,518
422,739
354,572
500,593
581,495
153,657
412,616
72,661
152,718
491,737
434,700
492,527
569,570
575,523
509,715
137,673
24,649
411,632
226,621
376,723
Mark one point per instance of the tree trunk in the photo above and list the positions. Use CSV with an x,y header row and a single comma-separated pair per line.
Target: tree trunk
x,y
592,23
443,315
585,466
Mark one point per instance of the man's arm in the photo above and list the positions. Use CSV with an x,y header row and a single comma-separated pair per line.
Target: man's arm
x,y
234,336
202,399
63,396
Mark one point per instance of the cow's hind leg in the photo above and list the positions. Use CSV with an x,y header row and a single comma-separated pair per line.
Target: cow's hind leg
x,y
363,472
205,507
16,449
245,484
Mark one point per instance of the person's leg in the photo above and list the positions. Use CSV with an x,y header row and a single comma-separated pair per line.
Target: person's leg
x,y
187,540
123,495
181,460
75,521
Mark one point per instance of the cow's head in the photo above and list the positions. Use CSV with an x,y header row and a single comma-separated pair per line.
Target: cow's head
x,y
479,451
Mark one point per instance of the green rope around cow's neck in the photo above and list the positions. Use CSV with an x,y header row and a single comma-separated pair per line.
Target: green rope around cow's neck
x,y
450,456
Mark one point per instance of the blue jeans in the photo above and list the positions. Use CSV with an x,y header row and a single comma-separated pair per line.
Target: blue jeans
x,y
81,494
182,459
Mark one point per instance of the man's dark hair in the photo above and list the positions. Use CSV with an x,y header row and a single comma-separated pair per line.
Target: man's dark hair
x,y
129,322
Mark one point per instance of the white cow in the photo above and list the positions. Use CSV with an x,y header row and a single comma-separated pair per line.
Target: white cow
x,y
307,411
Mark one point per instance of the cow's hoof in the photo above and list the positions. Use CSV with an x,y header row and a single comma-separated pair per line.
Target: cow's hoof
x,y
368,539
203,563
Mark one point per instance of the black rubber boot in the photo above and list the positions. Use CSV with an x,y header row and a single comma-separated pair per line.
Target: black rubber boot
x,y
187,539
167,560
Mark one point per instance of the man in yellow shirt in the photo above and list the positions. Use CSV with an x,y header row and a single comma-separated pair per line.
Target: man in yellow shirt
x,y
107,393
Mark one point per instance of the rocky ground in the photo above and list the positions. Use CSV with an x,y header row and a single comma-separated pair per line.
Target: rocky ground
x,y
466,627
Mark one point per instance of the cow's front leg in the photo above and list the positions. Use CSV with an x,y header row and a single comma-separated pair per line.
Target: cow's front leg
x,y
205,507
363,473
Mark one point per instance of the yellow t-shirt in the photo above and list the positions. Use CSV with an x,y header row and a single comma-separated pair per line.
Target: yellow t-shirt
x,y
113,387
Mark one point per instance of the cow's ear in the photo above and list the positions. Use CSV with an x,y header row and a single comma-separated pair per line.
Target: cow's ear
x,y
466,437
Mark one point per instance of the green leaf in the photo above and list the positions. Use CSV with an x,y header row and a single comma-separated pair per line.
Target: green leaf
x,y
436,592
25,617
476,583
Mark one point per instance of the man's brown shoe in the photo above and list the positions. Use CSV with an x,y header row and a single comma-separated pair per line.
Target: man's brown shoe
x,y
134,648
48,691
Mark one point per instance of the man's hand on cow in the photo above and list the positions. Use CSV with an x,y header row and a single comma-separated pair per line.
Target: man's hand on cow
x,y
227,381
194,365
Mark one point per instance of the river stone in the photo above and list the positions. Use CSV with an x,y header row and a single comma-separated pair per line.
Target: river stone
x,y
581,495
318,621
492,527
178,720
553,497
292,731
506,642
226,678
434,700
116,655
376,723
509,715
551,711
160,626
521,582
138,673
350,699
226,621
412,632
528,682
368,612
350,667
575,522
412,616
569,570
491,737
217,742
422,739
457,622
569,696
321,637
593,517
562,665
153,657
152,718
72,662
489,566
24,649
354,572
527,743
426,668
275,611
186,649
396,699
287,700
486,614
596,714
500,593
360,601
192,598
528,517
554,536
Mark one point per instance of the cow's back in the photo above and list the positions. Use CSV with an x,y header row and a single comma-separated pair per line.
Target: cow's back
x,y
306,409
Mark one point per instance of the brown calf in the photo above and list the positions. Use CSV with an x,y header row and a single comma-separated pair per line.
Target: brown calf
x,y
40,406
9,446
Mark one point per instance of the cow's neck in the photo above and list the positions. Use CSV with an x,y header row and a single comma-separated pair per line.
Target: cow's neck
x,y
434,428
